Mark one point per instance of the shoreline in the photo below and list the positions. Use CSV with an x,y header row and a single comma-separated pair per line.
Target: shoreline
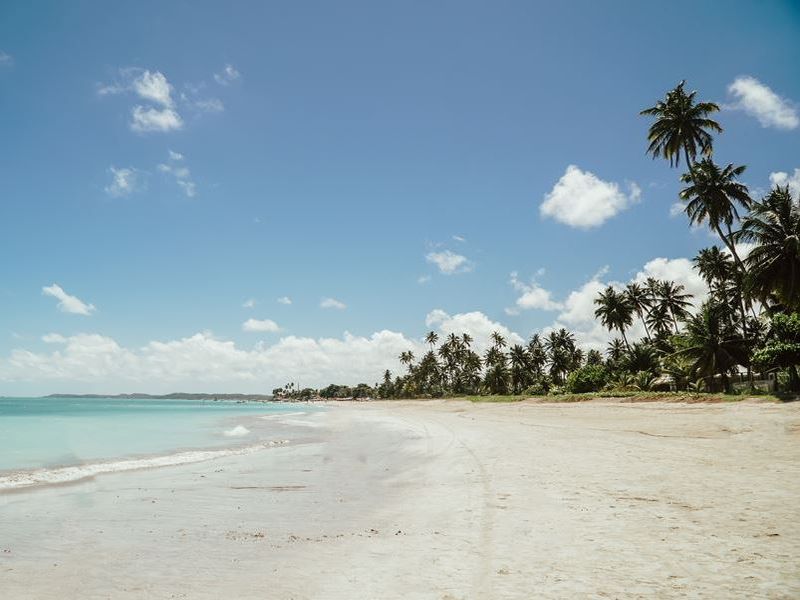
x,y
442,500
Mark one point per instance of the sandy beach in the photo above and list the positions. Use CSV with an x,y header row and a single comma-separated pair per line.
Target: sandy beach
x,y
441,500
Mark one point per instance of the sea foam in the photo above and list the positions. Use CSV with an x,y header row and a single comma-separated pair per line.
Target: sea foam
x,y
25,479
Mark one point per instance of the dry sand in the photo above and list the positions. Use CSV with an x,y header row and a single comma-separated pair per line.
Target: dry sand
x,y
440,500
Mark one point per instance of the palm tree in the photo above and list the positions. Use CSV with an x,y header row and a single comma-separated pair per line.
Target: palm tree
x,y
432,338
615,350
715,267
681,125
407,358
641,301
520,369
498,340
713,345
614,311
673,300
537,356
774,264
712,196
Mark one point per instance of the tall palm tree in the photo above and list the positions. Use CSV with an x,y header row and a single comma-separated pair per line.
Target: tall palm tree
x,y
712,196
520,369
715,267
673,299
407,358
713,346
497,339
432,338
614,311
681,125
537,356
641,301
774,264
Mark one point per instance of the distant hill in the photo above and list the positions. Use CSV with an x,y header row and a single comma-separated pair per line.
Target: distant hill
x,y
173,396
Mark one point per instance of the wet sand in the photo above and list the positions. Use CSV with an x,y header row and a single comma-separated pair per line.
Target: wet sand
x,y
440,500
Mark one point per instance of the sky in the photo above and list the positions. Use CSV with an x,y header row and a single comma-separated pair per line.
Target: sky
x,y
205,196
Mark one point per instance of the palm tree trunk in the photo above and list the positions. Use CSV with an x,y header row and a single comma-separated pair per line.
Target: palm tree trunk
x,y
646,329
624,339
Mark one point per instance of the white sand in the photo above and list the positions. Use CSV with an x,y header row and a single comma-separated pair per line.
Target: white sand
x,y
439,500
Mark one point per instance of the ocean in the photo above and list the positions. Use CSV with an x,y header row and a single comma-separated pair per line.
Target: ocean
x,y
55,440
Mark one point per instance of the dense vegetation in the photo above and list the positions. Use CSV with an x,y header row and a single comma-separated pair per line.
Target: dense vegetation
x,y
747,327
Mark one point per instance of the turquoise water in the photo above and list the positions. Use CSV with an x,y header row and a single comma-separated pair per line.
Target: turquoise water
x,y
38,433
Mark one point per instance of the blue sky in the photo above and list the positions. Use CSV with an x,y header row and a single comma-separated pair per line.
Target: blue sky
x,y
339,150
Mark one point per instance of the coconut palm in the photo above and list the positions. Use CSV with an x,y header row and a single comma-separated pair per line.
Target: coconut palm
x,y
520,369
712,197
681,125
774,264
616,348
674,301
498,340
641,301
407,358
715,267
614,310
537,356
432,338
713,345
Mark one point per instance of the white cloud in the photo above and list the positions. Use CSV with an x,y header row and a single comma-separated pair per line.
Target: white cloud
x,y
153,87
67,303
54,338
781,178
209,105
183,177
679,270
263,325
759,101
284,300
580,199
449,263
533,296
124,181
144,120
475,323
227,75
249,303
203,362
6,60
459,238
332,303
422,279
676,208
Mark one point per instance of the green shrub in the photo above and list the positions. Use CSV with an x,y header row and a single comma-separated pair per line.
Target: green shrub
x,y
590,378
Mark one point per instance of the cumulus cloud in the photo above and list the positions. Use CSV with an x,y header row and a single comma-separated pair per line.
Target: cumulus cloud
x,y
153,88
227,75
475,323
124,181
145,120
249,303
261,326
203,362
449,263
532,296
581,199
676,208
6,60
781,178
422,279
183,177
759,101
53,338
285,300
459,238
332,303
67,303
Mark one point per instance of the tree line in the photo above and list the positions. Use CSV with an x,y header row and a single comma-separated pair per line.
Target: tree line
x,y
748,326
